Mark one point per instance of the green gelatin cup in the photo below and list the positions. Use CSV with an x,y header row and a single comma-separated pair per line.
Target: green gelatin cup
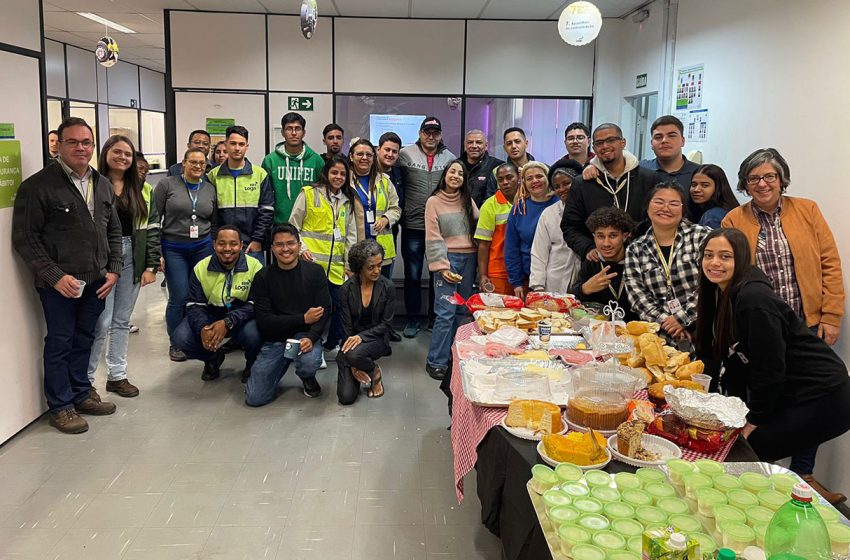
x,y
623,555
742,499
685,524
575,490
727,482
678,469
758,515
636,498
605,494
673,506
562,515
755,482
707,498
593,522
554,498
839,535
828,514
724,513
595,477
587,505
618,510
648,475
772,499
609,540
571,535
737,536
542,478
587,552
625,480
694,482
628,528
660,490
650,515
635,544
707,544
709,467
760,531
783,482
567,472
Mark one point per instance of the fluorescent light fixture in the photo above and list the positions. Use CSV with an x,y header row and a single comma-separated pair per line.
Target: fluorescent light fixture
x,y
110,24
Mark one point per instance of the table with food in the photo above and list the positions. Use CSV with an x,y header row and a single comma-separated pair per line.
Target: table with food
x,y
595,438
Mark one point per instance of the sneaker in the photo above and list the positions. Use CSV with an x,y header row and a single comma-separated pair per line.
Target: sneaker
x,y
213,369
312,388
68,421
123,388
95,408
394,336
411,329
438,373
246,373
332,352
134,329
324,364
176,355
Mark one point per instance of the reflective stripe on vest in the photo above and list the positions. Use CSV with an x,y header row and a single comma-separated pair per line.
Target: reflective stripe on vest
x,y
213,283
382,202
317,231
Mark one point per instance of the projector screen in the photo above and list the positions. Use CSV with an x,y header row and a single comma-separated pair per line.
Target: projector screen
x,y
406,126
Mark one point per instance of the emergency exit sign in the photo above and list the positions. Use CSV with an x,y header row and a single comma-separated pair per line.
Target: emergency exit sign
x,y
300,103
640,81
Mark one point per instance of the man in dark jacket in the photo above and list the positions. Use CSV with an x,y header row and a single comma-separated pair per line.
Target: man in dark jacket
x,y
620,183
516,146
66,229
577,142
479,165
197,139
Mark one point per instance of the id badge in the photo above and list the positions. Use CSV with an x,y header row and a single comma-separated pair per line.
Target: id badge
x,y
337,235
370,216
193,232
673,306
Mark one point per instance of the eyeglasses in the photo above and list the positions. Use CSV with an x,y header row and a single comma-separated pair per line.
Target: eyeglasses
x,y
286,244
659,203
293,129
576,139
610,141
431,132
196,163
768,178
71,143
364,155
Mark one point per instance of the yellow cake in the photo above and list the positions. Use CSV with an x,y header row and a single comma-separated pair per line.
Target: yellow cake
x,y
540,416
576,447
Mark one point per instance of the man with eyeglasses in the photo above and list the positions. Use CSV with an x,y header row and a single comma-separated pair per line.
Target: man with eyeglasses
x,y
577,142
480,165
291,166
421,166
197,139
516,146
668,139
619,182
66,229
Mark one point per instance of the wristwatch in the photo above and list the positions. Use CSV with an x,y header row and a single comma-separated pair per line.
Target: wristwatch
x,y
228,323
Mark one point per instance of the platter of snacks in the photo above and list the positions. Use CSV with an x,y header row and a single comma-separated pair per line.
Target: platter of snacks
x,y
525,319
533,419
585,450
632,446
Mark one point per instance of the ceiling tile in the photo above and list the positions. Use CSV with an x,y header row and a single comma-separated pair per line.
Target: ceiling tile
x,y
374,8
244,6
292,7
447,8
511,9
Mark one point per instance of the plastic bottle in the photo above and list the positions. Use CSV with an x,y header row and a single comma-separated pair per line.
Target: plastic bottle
x,y
797,531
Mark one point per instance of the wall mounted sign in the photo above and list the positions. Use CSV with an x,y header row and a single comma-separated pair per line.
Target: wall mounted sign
x,y
300,104
10,171
689,87
7,131
580,23
217,127
640,81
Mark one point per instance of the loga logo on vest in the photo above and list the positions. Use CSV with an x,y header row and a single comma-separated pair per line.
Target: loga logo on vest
x,y
252,186
242,286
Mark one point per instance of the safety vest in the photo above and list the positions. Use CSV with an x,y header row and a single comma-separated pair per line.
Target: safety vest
x,y
382,203
223,287
147,191
317,232
241,192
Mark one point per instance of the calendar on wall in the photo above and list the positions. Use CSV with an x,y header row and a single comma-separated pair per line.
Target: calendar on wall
x,y
689,87
696,124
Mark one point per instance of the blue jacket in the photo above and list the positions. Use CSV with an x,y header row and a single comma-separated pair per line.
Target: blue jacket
x,y
201,309
519,235
246,201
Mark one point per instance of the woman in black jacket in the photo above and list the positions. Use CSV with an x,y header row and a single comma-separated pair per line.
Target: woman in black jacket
x,y
366,309
796,387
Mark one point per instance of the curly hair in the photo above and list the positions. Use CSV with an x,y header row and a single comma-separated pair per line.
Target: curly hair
x,y
609,216
361,252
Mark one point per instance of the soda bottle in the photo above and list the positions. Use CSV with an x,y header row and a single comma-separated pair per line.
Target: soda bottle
x,y
797,531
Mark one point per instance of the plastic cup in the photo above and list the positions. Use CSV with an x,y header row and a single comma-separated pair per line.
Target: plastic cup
x,y
587,552
623,555
82,284
685,524
625,480
772,499
694,482
728,514
618,511
593,522
783,482
709,467
605,494
760,531
672,506
571,535
608,541
742,499
542,477
677,469
650,515
828,514
659,490
595,477
568,473
708,523
702,379
587,504
648,475
727,482
839,535
636,498
628,528
707,498
755,482
737,536
554,498
758,515
575,489
563,515
635,544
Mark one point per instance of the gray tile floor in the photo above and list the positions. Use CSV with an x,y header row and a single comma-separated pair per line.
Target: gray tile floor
x,y
186,470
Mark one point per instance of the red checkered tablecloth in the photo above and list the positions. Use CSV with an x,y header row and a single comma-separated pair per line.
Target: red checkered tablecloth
x,y
471,422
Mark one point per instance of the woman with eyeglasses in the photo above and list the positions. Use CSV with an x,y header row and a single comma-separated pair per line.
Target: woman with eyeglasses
x,y
141,251
662,266
187,206
376,207
711,196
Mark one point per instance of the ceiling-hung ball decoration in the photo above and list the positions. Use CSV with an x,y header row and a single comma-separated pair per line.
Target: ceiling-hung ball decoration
x,y
106,51
309,18
580,23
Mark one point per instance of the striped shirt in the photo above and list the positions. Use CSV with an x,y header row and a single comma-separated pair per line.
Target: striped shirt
x,y
774,258
446,229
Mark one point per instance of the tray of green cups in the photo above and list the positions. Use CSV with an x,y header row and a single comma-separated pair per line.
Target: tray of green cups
x,y
542,478
755,482
707,544
758,515
648,475
709,467
570,535
742,499
773,499
650,515
567,472
783,482
586,504
593,522
595,477
618,510
562,515
628,528
672,506
660,490
553,498
608,541
636,498
737,536
727,482
605,494
707,498
625,480
686,524
587,552
839,536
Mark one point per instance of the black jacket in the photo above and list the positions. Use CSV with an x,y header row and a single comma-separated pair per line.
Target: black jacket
x,y
776,361
56,235
478,175
383,308
591,268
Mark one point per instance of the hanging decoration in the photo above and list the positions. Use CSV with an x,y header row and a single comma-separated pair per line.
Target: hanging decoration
x,y
106,51
580,23
309,18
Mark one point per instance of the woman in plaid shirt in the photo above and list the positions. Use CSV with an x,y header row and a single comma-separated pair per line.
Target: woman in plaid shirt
x,y
662,266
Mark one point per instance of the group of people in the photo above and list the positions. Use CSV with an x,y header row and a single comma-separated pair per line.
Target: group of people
x,y
755,290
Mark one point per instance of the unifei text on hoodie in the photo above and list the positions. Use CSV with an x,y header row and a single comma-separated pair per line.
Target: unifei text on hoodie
x,y
289,174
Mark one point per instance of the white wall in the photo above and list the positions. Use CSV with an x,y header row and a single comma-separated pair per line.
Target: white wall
x,y
54,59
322,114
21,400
123,84
192,110
82,75
296,64
151,90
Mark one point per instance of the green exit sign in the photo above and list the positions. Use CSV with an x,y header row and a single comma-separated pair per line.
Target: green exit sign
x,y
300,103
640,81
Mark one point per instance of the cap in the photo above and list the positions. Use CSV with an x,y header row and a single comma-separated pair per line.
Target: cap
x,y
678,541
726,554
431,123
802,492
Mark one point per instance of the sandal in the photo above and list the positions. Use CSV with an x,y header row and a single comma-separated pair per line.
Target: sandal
x,y
361,376
377,390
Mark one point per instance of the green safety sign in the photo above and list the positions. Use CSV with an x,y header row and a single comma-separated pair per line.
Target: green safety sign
x,y
219,126
10,171
300,103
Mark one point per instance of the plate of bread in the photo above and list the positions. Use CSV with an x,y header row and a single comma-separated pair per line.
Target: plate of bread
x,y
632,446
585,450
532,419
525,319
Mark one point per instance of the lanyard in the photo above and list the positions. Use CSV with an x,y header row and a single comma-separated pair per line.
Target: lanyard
x,y
667,264
227,299
194,199
619,291
371,203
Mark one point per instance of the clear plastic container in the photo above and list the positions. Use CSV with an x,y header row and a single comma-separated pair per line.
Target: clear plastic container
x,y
677,469
554,498
707,544
575,489
783,482
618,510
605,494
625,480
797,530
742,499
602,394
839,536
649,475
628,528
673,506
571,535
772,499
737,536
623,555
608,541
542,478
828,513
660,490
709,467
567,472
686,524
587,552
724,513
758,515
636,498
587,505
596,477
707,498
694,482
754,482
563,515
650,515
727,482
593,522
760,531
635,544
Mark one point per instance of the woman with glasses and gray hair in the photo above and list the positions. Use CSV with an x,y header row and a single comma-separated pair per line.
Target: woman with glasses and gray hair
x,y
367,301
793,245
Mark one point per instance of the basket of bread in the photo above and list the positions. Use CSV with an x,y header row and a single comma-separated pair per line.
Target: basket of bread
x,y
525,319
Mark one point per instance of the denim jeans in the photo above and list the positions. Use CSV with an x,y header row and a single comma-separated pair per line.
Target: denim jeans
x,y
335,328
115,321
413,253
448,314
247,336
67,347
270,367
178,266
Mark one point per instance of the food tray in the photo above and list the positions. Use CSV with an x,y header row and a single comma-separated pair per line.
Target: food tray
x,y
665,448
567,340
525,433
553,463
485,394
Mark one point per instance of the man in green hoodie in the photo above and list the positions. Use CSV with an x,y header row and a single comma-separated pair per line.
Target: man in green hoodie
x,y
291,166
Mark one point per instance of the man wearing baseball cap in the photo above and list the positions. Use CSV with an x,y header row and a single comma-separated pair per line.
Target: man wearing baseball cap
x,y
421,165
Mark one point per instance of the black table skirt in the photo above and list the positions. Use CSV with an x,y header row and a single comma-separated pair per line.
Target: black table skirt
x,y
503,469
